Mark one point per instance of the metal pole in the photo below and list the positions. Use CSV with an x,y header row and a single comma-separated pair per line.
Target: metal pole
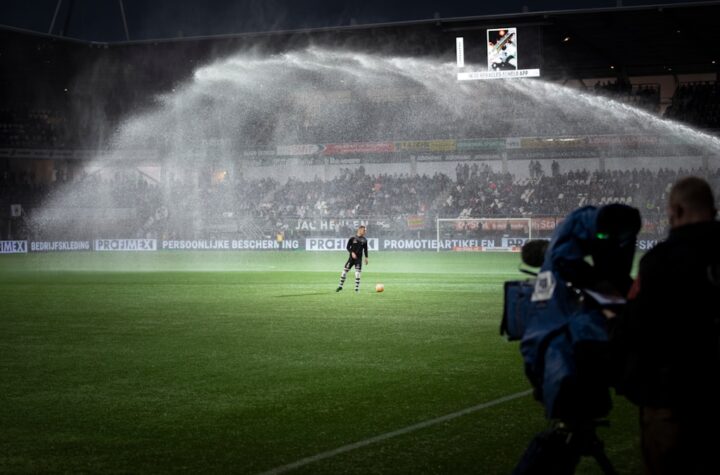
x,y
52,23
122,14
529,229
437,226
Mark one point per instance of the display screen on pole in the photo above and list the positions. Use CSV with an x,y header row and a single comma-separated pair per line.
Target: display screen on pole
x,y
504,60
502,50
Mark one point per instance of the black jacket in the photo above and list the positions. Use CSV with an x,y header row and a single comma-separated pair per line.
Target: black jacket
x,y
666,341
358,245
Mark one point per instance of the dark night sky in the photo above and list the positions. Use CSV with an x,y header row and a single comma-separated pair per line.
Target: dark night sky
x,y
100,20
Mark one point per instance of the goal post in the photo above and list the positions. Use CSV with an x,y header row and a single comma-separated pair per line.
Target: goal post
x,y
482,234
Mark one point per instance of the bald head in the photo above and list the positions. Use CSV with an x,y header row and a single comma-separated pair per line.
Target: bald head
x,y
691,201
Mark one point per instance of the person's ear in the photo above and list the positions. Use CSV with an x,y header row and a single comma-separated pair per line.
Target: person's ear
x,y
673,214
679,211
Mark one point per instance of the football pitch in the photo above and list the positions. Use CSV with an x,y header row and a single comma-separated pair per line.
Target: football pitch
x,y
249,362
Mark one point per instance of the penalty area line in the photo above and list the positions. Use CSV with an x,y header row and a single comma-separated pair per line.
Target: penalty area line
x,y
388,435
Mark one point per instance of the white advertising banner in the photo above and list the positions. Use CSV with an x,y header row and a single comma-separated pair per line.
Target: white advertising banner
x,y
333,224
228,244
646,244
13,247
519,73
335,244
432,244
60,246
504,243
131,245
513,242
295,150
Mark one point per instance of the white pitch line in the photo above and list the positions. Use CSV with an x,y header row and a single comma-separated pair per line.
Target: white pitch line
x,y
395,433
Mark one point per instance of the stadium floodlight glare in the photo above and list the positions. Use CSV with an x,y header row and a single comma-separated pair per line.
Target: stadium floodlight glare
x,y
502,57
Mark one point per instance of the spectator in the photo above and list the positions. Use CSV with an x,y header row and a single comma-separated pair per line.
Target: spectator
x,y
667,339
646,96
555,168
696,103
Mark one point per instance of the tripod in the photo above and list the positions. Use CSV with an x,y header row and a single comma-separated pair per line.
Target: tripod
x,y
582,440
559,449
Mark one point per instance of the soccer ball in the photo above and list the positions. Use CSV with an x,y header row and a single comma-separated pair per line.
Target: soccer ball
x,y
379,287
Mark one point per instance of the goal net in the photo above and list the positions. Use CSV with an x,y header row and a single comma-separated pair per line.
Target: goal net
x,y
483,234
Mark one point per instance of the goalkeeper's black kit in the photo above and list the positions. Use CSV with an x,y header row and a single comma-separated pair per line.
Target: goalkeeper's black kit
x,y
358,245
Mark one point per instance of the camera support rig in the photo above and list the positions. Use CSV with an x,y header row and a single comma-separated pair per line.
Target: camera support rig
x,y
559,449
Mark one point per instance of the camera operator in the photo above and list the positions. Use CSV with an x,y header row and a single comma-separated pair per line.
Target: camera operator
x,y
666,339
566,329
563,331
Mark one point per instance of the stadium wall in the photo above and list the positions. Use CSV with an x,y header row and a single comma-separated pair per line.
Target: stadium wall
x,y
517,167
47,171
310,244
668,83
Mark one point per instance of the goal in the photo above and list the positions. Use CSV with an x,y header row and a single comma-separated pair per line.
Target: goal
x,y
483,234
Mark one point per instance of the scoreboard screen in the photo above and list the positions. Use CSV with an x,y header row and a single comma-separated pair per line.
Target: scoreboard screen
x,y
505,57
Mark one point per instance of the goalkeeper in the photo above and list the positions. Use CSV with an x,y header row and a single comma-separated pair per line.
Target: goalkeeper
x,y
356,246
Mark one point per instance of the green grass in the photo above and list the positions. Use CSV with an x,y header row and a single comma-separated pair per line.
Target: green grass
x,y
242,362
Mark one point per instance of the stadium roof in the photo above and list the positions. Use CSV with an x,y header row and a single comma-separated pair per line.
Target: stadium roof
x,y
571,44
600,42
110,21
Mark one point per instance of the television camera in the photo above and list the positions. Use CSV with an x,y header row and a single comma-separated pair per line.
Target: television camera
x,y
559,318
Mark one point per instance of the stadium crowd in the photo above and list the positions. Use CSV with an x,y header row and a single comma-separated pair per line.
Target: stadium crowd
x,y
266,206
646,96
31,129
697,104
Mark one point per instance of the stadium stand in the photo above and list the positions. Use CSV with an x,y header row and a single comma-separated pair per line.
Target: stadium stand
x,y
260,207
32,129
645,96
696,103
63,98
